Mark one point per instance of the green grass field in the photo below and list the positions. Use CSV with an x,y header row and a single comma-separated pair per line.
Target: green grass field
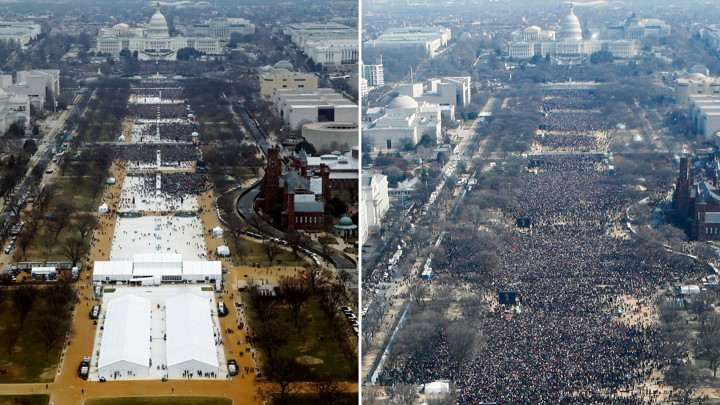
x,y
24,399
27,362
308,346
160,401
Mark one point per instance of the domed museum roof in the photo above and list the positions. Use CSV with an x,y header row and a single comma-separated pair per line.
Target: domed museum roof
x,y
402,102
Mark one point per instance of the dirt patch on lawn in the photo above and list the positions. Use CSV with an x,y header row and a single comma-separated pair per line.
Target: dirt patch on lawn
x,y
309,360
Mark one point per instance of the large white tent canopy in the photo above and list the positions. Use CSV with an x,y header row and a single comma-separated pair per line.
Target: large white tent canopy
x,y
202,271
113,271
190,350
125,347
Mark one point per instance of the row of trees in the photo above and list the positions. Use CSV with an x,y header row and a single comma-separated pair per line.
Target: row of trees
x,y
51,320
295,293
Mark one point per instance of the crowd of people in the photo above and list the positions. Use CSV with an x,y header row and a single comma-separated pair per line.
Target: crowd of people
x,y
565,342
169,131
575,121
568,100
145,155
571,142
155,111
166,93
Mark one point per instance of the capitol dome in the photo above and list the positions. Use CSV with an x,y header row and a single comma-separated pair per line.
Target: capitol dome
x,y
402,102
570,27
158,27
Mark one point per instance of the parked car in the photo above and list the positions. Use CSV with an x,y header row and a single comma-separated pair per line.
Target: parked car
x,y
232,367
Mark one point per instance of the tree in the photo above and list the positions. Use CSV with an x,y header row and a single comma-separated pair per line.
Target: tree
x,y
687,380
25,239
327,389
51,328
188,54
75,248
315,276
30,146
297,242
601,57
64,208
708,347
403,394
263,305
23,298
286,375
269,338
85,223
463,343
330,299
271,248
12,335
295,293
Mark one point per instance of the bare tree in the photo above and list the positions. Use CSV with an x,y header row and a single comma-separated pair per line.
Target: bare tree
x,y
25,239
269,338
295,293
271,248
51,329
12,335
264,306
687,381
23,298
85,223
315,276
330,299
286,375
463,342
708,346
403,394
74,249
327,389
297,241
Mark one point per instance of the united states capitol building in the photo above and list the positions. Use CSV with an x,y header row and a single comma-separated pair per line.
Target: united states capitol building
x,y
567,43
153,41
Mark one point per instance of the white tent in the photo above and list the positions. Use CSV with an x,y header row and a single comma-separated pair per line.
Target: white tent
x,y
121,138
223,251
190,340
202,271
110,180
49,272
112,271
437,387
125,345
218,232
103,209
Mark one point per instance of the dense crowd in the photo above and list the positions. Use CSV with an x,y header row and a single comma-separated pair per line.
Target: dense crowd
x,y
152,111
166,93
146,155
169,131
575,121
567,100
571,142
566,344
173,186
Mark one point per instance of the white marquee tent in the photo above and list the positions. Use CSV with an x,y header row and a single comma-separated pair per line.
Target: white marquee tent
x,y
103,209
190,349
437,387
218,232
223,251
125,347
202,271
113,271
